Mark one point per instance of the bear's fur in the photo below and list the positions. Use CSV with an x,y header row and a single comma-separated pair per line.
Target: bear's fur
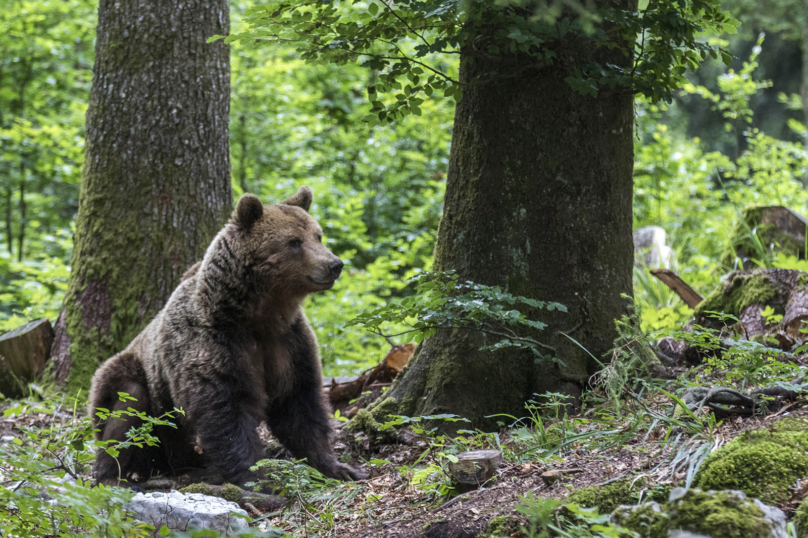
x,y
231,347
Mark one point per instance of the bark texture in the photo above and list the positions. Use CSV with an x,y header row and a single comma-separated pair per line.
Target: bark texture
x,y
156,179
538,200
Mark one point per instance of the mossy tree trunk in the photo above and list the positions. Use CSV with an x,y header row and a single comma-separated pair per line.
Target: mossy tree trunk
x,y
156,178
538,200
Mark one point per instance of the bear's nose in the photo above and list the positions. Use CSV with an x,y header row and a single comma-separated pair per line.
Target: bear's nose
x,y
336,268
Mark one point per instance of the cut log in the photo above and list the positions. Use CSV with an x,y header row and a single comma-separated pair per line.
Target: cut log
x,y
679,287
474,468
23,353
781,293
340,394
747,294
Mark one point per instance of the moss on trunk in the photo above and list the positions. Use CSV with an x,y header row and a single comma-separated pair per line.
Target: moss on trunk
x,y
156,179
538,200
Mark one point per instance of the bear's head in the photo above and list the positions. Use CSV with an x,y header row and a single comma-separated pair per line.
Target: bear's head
x,y
286,244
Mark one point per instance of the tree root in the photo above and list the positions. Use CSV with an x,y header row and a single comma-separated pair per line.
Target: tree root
x,y
724,402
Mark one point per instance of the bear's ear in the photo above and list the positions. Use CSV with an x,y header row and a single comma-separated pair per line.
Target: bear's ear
x,y
248,211
302,198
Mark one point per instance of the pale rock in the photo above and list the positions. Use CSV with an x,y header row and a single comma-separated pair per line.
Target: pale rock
x,y
181,512
651,248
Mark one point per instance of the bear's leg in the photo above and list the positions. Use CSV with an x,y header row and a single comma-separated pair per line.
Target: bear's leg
x,y
301,424
122,373
300,420
226,429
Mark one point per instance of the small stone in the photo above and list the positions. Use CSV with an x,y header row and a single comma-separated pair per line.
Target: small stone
x,y
676,494
551,477
686,534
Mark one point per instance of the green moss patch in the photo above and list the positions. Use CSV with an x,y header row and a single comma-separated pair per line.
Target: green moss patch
x,y
721,514
228,492
743,290
199,487
762,463
607,498
503,526
232,493
372,419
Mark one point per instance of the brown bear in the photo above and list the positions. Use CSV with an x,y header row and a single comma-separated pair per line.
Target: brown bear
x,y
231,347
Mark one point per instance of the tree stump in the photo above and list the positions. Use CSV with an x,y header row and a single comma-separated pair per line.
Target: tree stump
x,y
23,353
778,229
475,468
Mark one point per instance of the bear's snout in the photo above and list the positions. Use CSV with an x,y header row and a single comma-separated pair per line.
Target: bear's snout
x,y
336,268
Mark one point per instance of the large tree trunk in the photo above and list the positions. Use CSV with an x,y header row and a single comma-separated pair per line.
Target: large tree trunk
x,y
538,200
804,86
156,179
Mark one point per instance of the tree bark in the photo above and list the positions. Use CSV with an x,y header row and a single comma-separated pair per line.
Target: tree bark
x,y
804,86
539,201
156,178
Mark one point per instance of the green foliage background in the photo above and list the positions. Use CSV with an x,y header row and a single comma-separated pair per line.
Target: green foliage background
x,y
378,188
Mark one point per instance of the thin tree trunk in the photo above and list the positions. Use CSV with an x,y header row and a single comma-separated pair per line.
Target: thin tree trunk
x,y
156,178
21,114
539,201
242,158
9,231
23,212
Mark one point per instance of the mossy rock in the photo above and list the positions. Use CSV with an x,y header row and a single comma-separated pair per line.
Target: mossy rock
x,y
719,514
504,526
762,463
608,497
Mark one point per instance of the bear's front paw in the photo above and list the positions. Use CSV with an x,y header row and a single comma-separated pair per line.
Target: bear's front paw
x,y
114,482
341,471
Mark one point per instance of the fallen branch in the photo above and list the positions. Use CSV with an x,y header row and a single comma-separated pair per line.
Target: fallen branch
x,y
381,374
679,286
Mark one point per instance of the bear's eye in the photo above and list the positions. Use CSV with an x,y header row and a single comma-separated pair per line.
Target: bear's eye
x,y
320,238
295,243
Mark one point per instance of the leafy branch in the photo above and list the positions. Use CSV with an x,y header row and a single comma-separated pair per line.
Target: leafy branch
x,y
411,45
443,302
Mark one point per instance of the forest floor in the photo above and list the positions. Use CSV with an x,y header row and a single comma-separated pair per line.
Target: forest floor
x,y
410,492
402,510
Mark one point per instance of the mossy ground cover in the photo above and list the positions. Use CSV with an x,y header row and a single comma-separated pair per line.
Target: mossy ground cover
x,y
608,497
762,463
716,514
